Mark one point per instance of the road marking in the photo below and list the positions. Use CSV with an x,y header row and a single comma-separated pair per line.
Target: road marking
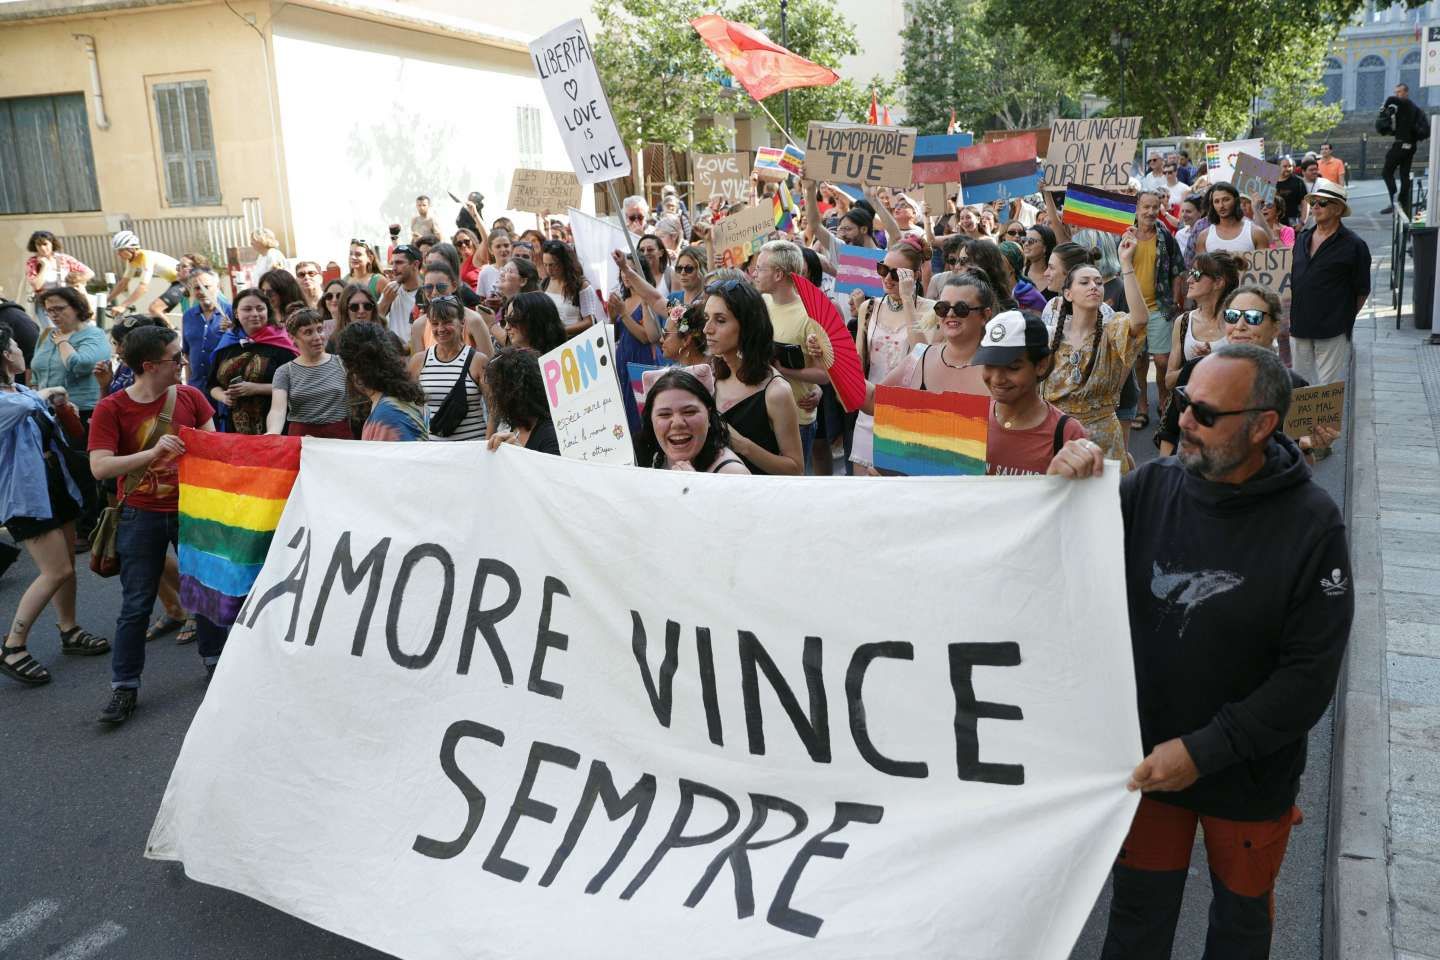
x,y
89,944
22,923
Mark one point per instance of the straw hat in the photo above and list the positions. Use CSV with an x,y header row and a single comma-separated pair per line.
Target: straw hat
x,y
1332,191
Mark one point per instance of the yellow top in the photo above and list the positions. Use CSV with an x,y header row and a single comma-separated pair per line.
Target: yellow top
x,y
1145,270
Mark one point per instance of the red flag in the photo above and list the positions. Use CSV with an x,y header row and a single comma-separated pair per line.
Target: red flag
x,y
951,129
886,119
762,67
874,109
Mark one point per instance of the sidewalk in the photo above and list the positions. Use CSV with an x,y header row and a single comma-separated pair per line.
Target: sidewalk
x,y
1385,853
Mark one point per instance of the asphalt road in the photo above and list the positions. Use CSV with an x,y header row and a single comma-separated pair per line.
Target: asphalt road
x,y
77,801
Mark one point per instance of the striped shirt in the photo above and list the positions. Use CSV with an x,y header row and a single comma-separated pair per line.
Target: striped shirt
x,y
313,395
437,379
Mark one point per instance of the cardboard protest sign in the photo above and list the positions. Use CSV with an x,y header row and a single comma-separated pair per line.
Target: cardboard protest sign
x,y
1270,269
936,195
1099,152
741,235
860,153
543,190
923,434
935,157
998,171
1253,175
1220,157
1311,406
584,396
777,163
724,175
480,734
1159,148
565,62
1098,209
855,270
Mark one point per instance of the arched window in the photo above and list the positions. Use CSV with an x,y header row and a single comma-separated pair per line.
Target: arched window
x,y
1334,80
1410,76
1370,83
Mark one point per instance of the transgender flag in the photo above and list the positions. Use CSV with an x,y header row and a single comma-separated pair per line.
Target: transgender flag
x,y
856,270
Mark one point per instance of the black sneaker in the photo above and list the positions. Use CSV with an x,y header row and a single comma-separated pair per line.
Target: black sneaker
x,y
209,672
1389,209
121,705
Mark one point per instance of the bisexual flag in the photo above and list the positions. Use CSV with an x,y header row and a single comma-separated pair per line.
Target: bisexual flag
x,y
999,170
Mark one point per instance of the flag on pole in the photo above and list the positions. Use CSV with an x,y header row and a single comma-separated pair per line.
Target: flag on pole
x,y
762,67
874,109
999,170
784,209
885,119
1098,209
951,128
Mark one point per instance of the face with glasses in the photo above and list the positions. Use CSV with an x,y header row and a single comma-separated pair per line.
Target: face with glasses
x,y
436,284
309,276
361,307
330,301
1199,282
889,271
1325,210
960,313
167,369
688,272
1219,429
464,244
1248,320
1016,232
635,219
510,281
904,214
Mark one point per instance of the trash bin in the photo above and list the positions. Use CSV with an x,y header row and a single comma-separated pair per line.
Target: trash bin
x,y
1422,247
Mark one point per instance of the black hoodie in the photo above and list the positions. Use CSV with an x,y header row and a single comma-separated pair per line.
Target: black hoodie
x,y
1240,607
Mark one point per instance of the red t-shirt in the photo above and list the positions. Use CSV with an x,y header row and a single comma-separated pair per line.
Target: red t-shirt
x,y
1013,453
120,425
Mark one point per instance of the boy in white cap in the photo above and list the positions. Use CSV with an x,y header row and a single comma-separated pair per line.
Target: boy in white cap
x,y
1330,282
1025,431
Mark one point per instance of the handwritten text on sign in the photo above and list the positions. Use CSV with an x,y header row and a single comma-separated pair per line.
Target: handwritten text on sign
x,y
1254,176
1271,270
565,63
724,175
858,153
584,397
543,190
1311,406
1099,152
740,235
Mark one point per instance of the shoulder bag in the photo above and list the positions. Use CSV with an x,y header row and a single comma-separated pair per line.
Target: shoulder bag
x,y
104,557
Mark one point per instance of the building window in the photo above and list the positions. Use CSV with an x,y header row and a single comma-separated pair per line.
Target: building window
x,y
187,144
1334,81
1410,76
527,136
1370,83
46,164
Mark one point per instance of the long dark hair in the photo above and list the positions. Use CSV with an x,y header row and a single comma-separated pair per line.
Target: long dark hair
x,y
371,359
351,291
1047,240
986,255
286,287
1223,267
271,320
757,336
517,393
1237,214
645,264
529,275
535,313
1066,308
717,437
572,277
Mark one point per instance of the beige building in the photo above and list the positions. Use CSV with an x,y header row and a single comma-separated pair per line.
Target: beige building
x,y
195,121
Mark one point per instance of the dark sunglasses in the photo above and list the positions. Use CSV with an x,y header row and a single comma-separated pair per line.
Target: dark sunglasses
x,y
1204,414
432,287
357,305
958,262
1197,275
684,268
462,242
884,269
635,217
1251,317
1320,202
333,295
961,310
1015,233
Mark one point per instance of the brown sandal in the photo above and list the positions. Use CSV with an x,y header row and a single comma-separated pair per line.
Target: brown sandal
x,y
26,670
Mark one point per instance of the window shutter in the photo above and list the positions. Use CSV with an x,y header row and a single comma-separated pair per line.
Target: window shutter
x,y
74,128
10,198
169,117
46,164
201,141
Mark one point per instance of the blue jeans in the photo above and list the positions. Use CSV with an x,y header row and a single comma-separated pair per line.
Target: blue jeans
x,y
807,440
142,541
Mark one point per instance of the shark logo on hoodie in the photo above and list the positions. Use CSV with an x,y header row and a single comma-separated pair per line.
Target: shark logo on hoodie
x,y
1188,590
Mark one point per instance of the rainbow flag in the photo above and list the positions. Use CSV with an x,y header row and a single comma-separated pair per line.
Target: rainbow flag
x,y
784,209
1098,209
855,270
232,491
777,163
923,434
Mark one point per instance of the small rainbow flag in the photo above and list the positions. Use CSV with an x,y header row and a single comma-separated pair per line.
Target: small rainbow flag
x,y
784,209
776,163
855,270
1098,209
923,434
232,490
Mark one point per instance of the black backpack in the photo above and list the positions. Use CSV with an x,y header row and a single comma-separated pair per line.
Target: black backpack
x,y
1385,120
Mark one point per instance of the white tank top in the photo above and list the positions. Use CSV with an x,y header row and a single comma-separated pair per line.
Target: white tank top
x,y
1192,345
1244,243
438,378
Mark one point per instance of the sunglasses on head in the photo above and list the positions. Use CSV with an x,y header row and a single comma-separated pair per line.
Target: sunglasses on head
x,y
1252,318
1204,414
358,305
724,286
961,310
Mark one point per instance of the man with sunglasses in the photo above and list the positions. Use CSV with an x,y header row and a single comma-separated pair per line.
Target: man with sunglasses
x,y
1241,600
397,300
1330,282
637,215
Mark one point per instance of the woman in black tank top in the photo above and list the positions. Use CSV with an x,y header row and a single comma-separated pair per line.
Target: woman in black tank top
x,y
682,429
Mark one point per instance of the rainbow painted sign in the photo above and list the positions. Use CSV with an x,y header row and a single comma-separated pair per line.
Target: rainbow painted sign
x,y
923,434
585,402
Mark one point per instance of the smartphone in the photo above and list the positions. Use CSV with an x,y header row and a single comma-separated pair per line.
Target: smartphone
x,y
790,356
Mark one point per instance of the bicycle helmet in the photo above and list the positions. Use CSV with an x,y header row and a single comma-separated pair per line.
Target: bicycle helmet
x,y
123,239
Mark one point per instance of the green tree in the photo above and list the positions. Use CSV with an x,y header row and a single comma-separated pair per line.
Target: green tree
x,y
1295,107
961,55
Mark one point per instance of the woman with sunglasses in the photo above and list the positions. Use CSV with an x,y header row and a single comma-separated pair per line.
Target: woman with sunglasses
x,y
755,400
307,395
1282,235
365,268
689,270
898,320
283,290
1251,315
1094,356
243,369
532,322
1199,331
330,306
1037,245
683,428
468,245
565,284
450,365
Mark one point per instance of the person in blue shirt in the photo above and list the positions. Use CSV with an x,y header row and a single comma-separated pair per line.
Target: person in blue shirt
x,y
205,323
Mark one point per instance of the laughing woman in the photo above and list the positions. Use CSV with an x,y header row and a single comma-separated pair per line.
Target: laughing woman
x,y
683,429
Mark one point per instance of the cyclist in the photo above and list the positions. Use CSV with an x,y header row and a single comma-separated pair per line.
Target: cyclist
x,y
141,267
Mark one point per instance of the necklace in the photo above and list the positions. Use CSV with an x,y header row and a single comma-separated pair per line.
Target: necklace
x,y
894,303
952,366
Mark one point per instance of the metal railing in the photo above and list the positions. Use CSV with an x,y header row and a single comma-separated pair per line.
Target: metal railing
x,y
174,236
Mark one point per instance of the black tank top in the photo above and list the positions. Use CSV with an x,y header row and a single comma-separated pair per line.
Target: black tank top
x,y
751,420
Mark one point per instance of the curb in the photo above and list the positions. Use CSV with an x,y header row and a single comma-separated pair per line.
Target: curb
x,y
1356,914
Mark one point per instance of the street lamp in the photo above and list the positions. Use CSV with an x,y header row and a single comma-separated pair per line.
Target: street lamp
x,y
1121,43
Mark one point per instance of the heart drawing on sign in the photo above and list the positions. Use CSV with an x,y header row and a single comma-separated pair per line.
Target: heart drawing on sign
x,y
572,88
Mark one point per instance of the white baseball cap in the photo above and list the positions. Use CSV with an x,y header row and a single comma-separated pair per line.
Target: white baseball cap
x,y
1009,336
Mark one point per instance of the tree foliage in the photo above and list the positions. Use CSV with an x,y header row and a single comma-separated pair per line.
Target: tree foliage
x,y
661,79
1294,105
1185,68
961,55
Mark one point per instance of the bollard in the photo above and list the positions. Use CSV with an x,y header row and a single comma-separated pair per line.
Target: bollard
x,y
1364,142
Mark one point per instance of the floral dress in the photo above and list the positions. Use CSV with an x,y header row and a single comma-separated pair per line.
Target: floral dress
x,y
1093,402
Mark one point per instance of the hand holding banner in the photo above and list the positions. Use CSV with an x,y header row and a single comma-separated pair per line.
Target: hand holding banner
x,y
583,391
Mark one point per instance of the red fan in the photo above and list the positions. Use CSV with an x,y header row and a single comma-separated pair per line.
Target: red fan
x,y
846,373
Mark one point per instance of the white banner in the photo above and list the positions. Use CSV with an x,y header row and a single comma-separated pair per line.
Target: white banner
x,y
565,62
626,713
595,241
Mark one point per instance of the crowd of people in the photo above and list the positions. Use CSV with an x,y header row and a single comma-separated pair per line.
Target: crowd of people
x,y
1063,329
